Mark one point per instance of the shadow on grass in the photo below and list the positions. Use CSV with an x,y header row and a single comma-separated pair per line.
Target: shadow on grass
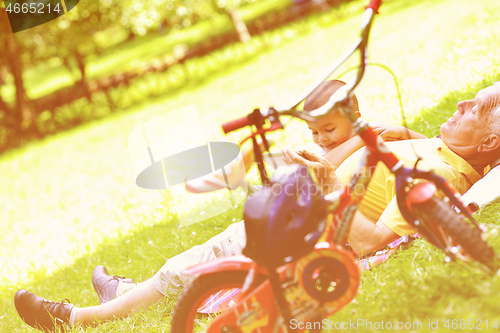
x,y
138,256
430,119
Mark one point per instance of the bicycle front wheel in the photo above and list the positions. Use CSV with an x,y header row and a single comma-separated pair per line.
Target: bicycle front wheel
x,y
211,294
462,233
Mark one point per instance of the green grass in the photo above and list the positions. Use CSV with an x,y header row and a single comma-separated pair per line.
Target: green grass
x,y
69,202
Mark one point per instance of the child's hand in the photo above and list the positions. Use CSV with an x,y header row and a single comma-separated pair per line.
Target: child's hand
x,y
391,132
291,156
297,156
325,172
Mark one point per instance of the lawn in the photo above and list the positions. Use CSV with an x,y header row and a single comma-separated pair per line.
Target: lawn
x,y
70,202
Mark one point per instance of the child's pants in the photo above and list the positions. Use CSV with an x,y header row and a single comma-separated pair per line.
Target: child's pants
x,y
230,242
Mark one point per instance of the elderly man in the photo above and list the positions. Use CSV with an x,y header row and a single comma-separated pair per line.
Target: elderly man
x,y
469,145
470,142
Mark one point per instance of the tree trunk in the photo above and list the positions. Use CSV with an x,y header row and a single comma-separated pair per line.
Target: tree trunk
x,y
23,118
240,26
81,65
4,106
4,31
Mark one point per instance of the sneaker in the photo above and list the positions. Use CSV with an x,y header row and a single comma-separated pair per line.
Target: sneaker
x,y
105,285
41,313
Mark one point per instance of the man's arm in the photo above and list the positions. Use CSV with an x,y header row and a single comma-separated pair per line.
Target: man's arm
x,y
366,236
396,133
340,153
388,132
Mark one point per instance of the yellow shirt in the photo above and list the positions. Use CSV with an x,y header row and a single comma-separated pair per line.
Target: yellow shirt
x,y
379,201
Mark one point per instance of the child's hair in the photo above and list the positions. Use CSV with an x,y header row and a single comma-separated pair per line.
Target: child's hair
x,y
322,94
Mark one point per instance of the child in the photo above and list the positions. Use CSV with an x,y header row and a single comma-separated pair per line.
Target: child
x,y
334,133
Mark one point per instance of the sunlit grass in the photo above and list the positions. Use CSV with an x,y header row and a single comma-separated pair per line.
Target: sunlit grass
x,y
69,202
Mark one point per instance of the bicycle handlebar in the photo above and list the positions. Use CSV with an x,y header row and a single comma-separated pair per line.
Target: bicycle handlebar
x,y
374,4
235,124
345,92
340,96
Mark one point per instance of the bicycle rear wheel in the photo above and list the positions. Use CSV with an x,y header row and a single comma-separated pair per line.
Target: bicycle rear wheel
x,y
461,232
185,318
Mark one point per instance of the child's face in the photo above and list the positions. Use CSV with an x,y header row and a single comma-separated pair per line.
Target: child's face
x,y
330,131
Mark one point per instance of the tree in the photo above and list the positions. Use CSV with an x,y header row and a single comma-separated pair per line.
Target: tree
x,y
17,120
77,35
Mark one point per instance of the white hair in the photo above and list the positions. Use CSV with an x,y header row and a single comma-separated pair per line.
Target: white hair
x,y
494,118
494,124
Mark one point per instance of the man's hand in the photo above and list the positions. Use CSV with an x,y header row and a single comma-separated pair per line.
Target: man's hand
x,y
391,132
325,172
395,133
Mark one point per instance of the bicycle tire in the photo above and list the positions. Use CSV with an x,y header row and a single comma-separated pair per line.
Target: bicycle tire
x,y
461,232
197,292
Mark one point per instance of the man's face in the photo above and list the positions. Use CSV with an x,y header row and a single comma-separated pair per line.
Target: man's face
x,y
465,131
330,131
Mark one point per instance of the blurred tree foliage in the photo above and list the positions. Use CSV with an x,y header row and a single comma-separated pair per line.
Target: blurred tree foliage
x,y
75,32
84,31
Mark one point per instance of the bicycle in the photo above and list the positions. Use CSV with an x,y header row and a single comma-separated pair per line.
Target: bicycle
x,y
318,282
